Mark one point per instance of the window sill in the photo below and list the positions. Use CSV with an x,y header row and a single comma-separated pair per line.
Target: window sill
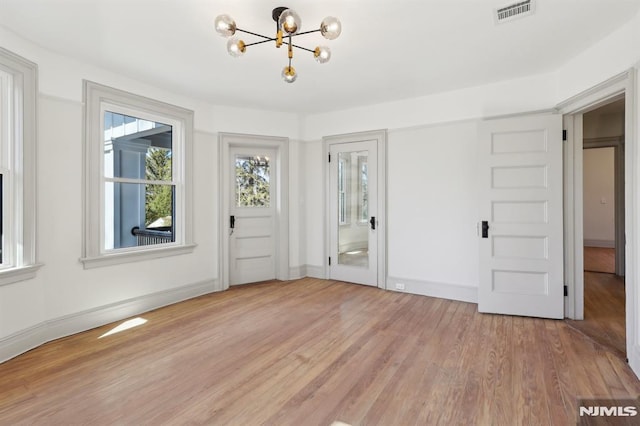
x,y
135,256
19,273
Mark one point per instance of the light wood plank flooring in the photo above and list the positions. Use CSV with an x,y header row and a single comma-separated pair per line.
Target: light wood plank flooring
x,y
311,352
599,259
604,311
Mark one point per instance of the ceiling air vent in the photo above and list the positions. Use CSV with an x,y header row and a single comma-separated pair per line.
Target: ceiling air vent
x,y
513,11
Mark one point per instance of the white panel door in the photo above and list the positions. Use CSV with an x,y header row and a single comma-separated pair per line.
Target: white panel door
x,y
353,180
252,240
520,228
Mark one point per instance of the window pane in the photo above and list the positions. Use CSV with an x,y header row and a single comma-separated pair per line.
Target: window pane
x,y
136,148
252,181
138,214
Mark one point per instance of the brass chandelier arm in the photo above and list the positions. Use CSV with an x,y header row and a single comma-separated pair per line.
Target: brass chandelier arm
x,y
255,34
266,38
259,42
306,32
303,48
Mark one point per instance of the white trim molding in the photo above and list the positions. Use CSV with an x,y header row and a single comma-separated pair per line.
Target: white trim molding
x,y
380,136
281,145
315,271
462,293
24,340
97,100
621,85
19,146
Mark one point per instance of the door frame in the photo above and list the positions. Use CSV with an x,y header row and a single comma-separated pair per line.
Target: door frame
x,y
623,84
281,145
380,136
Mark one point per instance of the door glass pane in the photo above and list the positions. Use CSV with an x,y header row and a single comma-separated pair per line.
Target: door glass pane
x,y
353,212
252,181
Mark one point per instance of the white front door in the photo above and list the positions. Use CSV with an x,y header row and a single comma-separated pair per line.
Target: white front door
x,y
520,228
354,224
252,240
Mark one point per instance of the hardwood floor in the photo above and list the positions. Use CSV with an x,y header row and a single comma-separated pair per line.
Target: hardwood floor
x,y
311,352
604,301
604,311
599,259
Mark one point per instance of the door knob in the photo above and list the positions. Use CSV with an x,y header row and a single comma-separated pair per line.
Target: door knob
x,y
372,221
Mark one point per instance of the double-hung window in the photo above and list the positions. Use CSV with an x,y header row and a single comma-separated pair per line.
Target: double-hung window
x,y
137,177
18,88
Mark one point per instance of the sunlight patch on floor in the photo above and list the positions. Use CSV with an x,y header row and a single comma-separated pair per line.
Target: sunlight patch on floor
x,y
134,322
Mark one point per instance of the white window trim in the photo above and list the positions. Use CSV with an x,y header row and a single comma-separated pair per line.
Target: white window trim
x,y
22,227
97,98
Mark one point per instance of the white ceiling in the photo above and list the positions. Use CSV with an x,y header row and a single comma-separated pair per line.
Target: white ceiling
x,y
388,50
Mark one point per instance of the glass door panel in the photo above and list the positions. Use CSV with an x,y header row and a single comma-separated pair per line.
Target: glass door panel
x,y
252,177
353,212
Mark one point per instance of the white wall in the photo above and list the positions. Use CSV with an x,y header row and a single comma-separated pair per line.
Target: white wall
x,y
508,97
312,198
64,297
432,206
612,55
598,201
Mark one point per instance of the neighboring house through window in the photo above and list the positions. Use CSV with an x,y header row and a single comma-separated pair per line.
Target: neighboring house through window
x,y
138,177
18,89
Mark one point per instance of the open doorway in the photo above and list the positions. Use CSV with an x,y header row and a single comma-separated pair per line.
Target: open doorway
x,y
603,225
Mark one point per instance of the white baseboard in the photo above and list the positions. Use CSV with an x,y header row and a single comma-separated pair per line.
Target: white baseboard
x,y
600,243
56,328
634,360
23,341
434,289
315,271
297,272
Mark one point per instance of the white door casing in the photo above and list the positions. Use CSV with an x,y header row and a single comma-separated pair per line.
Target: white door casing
x,y
353,242
623,84
374,143
521,255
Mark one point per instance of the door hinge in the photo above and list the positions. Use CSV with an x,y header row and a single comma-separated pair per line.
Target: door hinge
x,y
329,260
564,135
566,290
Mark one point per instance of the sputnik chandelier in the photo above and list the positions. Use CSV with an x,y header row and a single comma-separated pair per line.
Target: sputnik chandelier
x,y
288,25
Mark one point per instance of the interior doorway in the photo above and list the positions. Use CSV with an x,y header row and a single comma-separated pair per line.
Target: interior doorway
x,y
603,225
355,205
254,200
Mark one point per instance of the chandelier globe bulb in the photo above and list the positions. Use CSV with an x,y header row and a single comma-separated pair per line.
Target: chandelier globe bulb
x,y
289,22
225,25
289,74
330,28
